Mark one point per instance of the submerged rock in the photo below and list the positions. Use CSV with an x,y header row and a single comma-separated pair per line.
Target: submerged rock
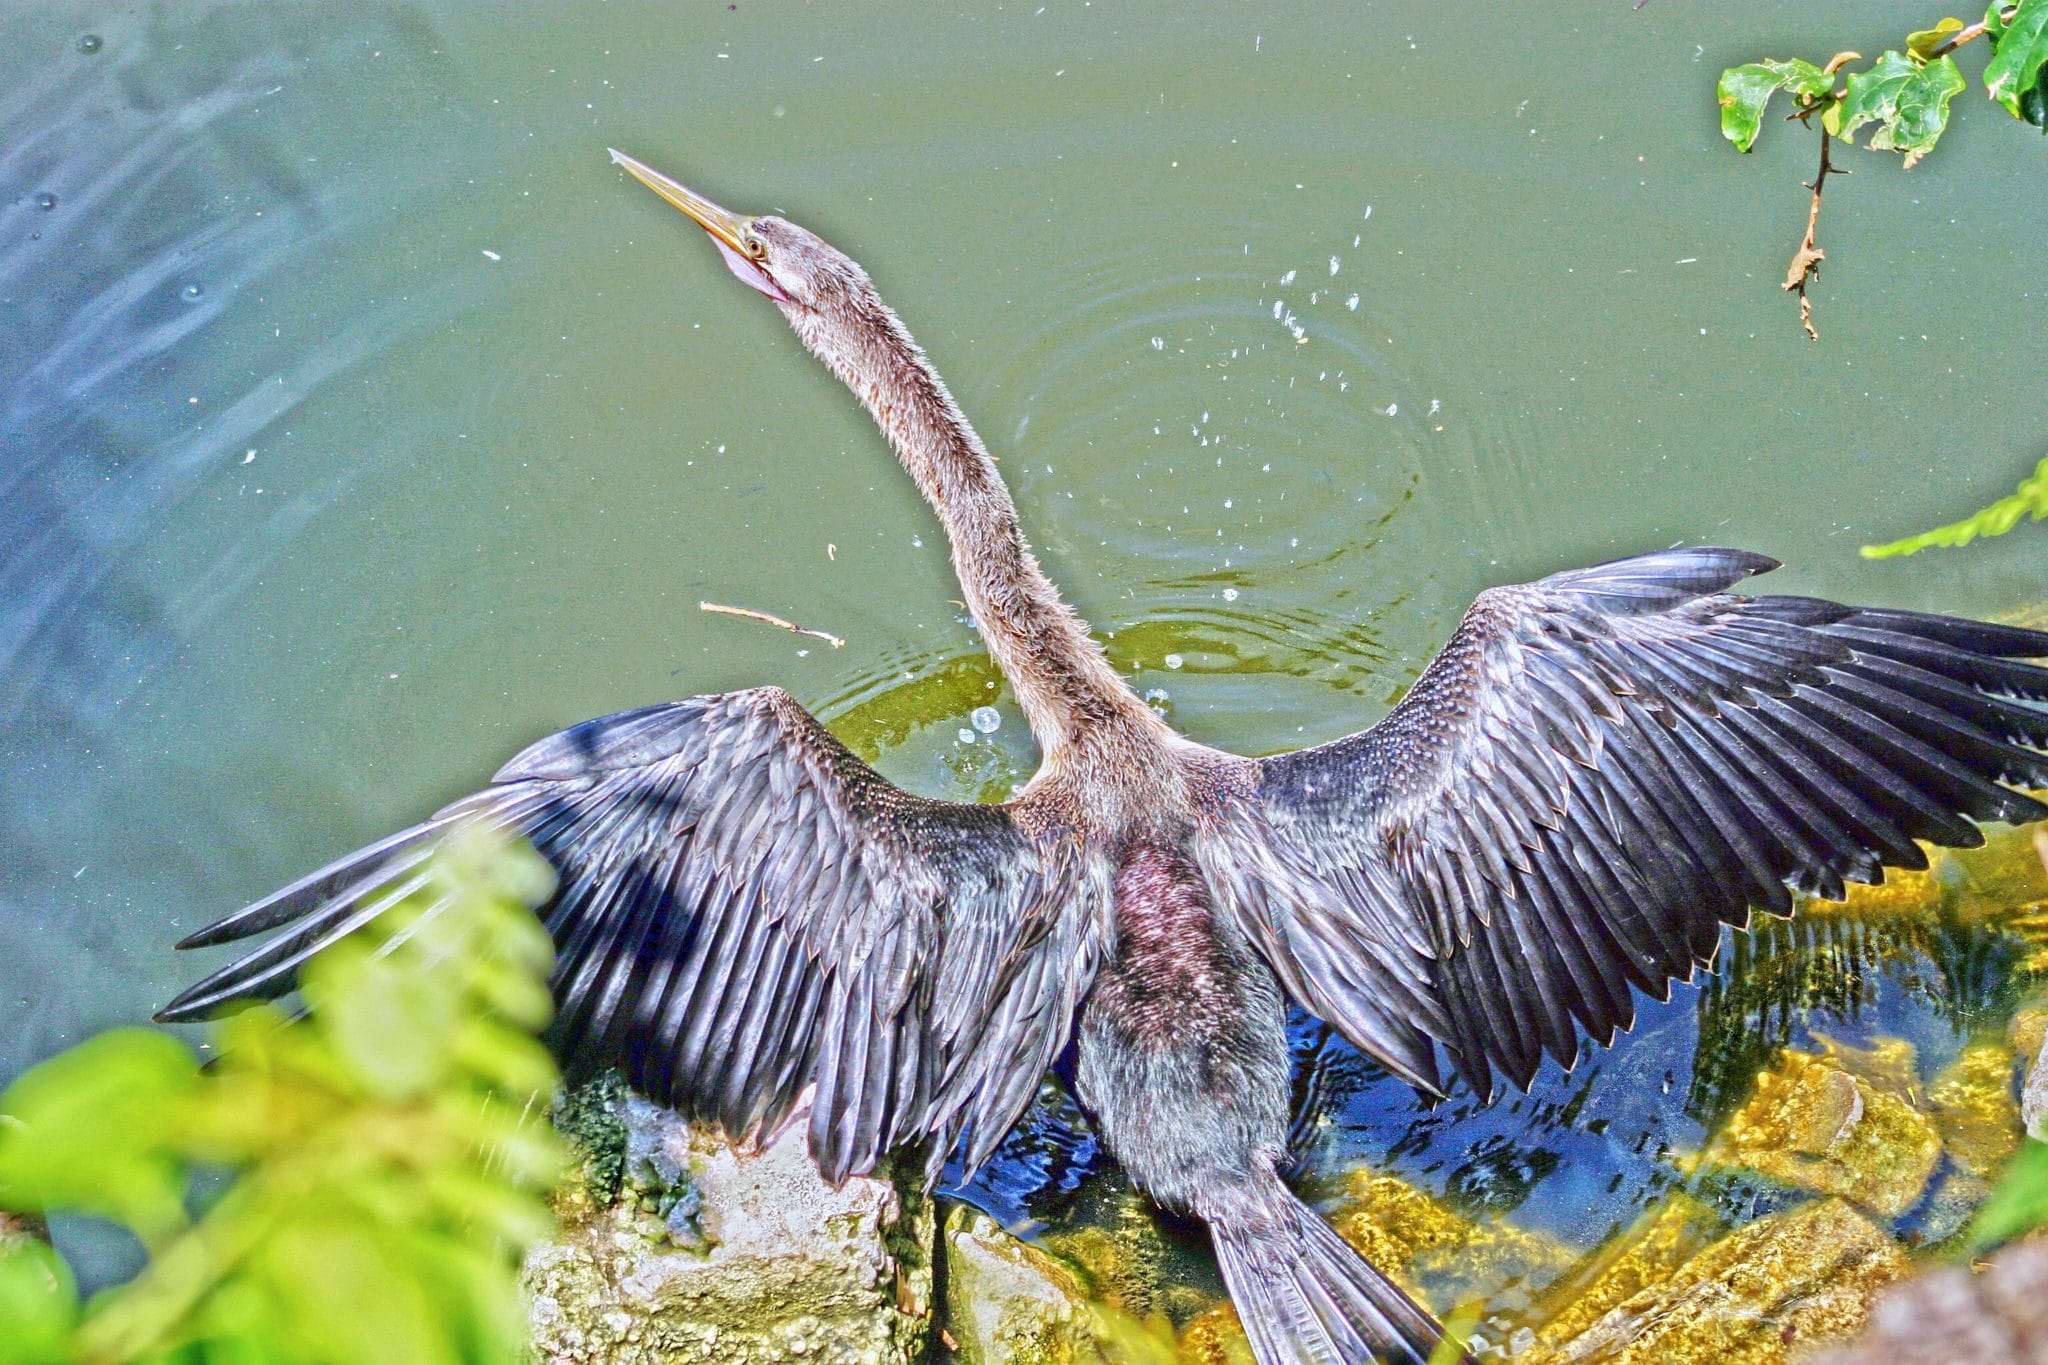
x,y
1812,1124
676,1248
1973,1106
1007,1301
1761,1295
1437,1253
1215,1337
1949,1316
1648,1254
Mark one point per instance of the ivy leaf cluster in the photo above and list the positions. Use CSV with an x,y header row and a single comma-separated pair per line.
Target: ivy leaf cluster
x,y
1905,94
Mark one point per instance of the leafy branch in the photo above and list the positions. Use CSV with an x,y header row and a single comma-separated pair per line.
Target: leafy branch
x,y
1905,95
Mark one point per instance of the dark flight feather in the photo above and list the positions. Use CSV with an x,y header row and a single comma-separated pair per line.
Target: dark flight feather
x,y
1599,771
745,909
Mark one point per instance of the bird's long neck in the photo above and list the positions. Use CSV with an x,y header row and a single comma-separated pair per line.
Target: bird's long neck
x,y
1058,673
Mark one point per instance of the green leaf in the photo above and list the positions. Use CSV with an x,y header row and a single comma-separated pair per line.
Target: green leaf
x,y
38,1305
2018,1204
2029,500
337,1279
1922,111
2019,48
391,1022
1920,46
99,1128
1907,100
1743,92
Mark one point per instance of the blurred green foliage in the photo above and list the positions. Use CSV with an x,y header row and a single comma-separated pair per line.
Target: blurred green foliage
x,y
2029,500
390,1152
2017,1205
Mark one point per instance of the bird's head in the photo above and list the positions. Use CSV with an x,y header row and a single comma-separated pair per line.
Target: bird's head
x,y
795,267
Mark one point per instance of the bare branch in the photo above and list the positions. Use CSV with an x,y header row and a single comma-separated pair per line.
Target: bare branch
x,y
1806,261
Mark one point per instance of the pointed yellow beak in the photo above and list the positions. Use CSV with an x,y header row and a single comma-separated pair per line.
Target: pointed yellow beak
x,y
729,228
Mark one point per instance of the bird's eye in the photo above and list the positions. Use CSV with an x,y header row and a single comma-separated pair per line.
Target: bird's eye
x,y
756,248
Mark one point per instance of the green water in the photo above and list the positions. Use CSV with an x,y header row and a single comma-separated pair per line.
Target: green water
x,y
363,423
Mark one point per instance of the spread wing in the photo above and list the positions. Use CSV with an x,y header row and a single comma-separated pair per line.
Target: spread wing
x,y
745,909
1599,771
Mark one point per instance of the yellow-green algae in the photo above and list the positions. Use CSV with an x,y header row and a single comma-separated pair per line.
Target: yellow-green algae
x,y
1647,1254
1975,1109
1812,1124
1436,1253
1755,1297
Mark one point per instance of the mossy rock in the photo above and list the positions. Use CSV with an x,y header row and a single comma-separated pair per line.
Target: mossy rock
x,y
705,1254
1010,1303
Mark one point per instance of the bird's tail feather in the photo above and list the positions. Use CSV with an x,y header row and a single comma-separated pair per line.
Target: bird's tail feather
x,y
1306,1298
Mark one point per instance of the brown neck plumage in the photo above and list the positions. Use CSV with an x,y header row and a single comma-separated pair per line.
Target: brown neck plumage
x,y
1060,676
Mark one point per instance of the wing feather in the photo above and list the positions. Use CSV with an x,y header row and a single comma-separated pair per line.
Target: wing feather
x,y
1599,772
744,910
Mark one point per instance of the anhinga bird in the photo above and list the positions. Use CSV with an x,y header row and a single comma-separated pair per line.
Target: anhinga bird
x,y
1599,771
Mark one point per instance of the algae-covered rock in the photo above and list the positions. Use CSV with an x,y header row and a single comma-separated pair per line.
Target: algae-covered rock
x,y
1974,1109
1438,1254
1761,1295
1890,1064
1948,1316
1123,1259
1647,1254
1007,1301
1813,1125
1215,1337
707,1255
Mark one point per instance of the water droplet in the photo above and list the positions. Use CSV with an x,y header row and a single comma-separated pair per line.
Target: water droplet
x,y
194,291
46,201
1158,343
986,719
967,736
1230,594
90,43
1174,661
1352,303
1288,278
1334,264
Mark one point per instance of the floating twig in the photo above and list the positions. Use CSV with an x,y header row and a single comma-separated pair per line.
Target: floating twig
x,y
753,615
